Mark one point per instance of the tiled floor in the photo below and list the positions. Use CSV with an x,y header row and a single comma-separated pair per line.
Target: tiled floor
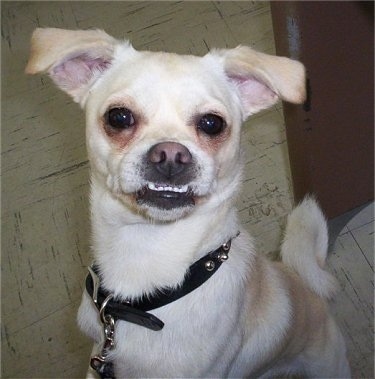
x,y
45,227
352,263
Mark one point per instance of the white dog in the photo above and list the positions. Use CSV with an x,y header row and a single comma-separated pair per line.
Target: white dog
x,y
175,290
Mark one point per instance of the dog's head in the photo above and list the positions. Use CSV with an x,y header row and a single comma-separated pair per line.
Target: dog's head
x,y
163,129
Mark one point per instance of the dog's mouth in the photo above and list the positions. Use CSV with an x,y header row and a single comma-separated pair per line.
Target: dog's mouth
x,y
165,196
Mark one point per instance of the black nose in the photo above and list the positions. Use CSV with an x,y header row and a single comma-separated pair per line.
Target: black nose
x,y
169,160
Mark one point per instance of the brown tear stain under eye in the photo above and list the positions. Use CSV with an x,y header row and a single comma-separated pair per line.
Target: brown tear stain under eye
x,y
120,138
212,144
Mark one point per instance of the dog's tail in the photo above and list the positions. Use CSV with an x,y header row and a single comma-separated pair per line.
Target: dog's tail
x,y
305,247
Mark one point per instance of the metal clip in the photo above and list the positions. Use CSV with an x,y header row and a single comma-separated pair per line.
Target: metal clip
x,y
102,315
99,361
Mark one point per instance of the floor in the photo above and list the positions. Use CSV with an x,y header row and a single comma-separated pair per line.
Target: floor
x,y
45,228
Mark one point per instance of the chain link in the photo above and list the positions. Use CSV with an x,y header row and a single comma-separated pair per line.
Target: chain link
x,y
99,361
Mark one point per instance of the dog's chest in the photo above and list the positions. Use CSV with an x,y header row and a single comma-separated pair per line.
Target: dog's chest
x,y
200,336
190,344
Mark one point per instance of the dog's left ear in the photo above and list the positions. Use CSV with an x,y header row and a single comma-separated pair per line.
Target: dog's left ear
x,y
74,59
262,79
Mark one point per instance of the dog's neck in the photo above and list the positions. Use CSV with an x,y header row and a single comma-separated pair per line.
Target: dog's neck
x,y
136,256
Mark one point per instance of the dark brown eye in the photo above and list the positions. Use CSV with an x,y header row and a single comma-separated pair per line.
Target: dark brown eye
x,y
120,118
211,124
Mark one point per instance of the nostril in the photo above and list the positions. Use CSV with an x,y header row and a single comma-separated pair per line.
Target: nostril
x,y
183,156
157,155
162,156
179,158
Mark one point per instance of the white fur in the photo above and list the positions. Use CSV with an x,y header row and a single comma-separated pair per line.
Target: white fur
x,y
253,318
305,247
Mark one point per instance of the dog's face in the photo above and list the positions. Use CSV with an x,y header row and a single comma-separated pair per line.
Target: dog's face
x,y
163,130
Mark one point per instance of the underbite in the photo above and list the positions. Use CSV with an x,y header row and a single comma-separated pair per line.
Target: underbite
x,y
166,197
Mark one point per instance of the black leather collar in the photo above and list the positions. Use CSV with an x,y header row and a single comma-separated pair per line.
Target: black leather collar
x,y
137,311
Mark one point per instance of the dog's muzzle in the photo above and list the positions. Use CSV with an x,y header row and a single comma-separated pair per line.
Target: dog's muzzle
x,y
168,170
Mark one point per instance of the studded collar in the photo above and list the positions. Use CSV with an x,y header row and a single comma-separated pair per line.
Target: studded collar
x,y
136,311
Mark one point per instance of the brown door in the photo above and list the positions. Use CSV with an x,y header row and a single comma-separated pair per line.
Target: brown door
x,y
331,137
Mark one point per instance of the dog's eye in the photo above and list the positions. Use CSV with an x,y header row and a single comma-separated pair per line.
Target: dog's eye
x,y
120,118
211,124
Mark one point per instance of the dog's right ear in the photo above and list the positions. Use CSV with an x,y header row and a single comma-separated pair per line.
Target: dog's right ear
x,y
74,59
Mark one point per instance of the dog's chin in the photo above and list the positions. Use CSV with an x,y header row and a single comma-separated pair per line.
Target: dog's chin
x,y
166,203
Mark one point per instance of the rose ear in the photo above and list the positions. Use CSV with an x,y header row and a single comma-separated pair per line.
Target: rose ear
x,y
74,59
262,79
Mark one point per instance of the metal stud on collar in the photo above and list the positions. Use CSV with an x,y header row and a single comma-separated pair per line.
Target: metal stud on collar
x,y
223,257
226,246
209,265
